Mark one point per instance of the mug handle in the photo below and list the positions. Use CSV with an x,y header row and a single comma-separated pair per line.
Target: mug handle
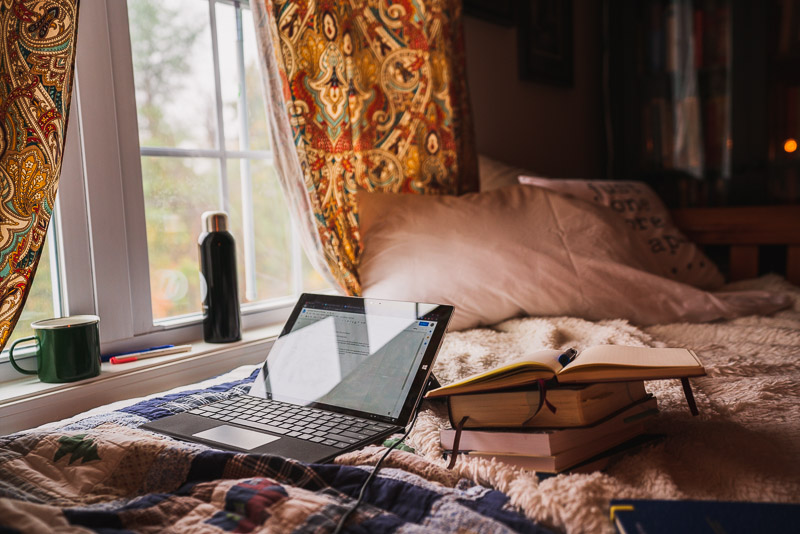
x,y
11,355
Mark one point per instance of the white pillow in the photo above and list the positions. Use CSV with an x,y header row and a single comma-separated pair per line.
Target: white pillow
x,y
524,250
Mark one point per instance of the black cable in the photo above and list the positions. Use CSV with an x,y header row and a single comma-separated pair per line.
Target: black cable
x,y
371,476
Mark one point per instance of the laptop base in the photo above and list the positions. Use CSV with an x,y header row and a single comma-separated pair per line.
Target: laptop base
x,y
199,429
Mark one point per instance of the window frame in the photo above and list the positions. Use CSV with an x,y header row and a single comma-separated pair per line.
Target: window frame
x,y
105,151
69,226
102,256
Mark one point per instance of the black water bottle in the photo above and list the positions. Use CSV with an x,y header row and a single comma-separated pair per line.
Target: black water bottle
x,y
219,289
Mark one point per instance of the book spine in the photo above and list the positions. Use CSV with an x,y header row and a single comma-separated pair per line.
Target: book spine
x,y
671,37
656,41
668,132
699,17
566,459
694,137
453,422
785,34
795,133
536,443
655,125
543,442
791,114
573,407
721,40
648,146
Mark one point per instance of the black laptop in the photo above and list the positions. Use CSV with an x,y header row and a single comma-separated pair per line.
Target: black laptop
x,y
344,372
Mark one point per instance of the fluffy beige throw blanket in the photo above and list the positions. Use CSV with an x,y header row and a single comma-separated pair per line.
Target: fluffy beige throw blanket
x,y
744,445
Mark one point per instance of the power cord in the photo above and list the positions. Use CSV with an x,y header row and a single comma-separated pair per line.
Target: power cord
x,y
371,476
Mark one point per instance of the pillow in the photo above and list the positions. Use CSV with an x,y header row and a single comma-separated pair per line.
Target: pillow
x,y
525,250
644,213
495,174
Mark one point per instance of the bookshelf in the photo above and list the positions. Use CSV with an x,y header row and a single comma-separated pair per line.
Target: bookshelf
x,y
703,99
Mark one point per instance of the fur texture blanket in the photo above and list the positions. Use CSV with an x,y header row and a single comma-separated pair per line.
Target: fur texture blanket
x,y
744,445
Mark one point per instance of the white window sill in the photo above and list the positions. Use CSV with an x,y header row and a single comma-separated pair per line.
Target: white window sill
x,y
27,402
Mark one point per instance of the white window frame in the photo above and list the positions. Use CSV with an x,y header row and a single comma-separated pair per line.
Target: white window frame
x,y
100,224
106,152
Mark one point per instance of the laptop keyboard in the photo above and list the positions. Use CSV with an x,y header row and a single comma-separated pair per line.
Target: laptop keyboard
x,y
309,424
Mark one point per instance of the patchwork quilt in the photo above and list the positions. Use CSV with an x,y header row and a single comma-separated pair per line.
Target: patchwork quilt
x,y
102,474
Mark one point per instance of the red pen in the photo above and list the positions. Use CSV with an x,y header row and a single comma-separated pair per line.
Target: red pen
x,y
136,356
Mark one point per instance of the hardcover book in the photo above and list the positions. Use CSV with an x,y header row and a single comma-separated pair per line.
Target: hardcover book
x,y
556,463
666,517
551,441
572,405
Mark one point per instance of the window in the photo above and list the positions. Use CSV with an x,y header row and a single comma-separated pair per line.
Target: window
x,y
168,120
204,144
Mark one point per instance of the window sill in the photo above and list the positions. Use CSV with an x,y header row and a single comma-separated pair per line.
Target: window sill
x,y
27,402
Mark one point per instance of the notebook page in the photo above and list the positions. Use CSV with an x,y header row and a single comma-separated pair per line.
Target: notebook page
x,y
623,356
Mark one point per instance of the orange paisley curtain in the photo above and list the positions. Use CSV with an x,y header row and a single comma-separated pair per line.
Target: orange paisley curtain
x,y
372,95
37,55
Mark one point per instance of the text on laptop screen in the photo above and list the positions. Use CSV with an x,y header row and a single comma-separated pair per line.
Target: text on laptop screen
x,y
363,359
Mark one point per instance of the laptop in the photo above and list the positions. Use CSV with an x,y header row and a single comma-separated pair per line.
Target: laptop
x,y
344,372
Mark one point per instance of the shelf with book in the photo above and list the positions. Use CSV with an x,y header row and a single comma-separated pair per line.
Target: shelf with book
x,y
702,99
783,150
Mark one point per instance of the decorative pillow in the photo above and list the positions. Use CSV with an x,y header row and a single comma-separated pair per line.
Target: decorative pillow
x,y
525,250
644,213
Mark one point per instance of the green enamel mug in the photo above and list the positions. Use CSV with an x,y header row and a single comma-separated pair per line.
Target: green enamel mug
x,y
67,349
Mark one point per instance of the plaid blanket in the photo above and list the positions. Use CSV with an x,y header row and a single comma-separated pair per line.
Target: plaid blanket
x,y
103,474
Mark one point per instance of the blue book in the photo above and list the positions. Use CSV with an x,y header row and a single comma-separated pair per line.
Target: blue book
x,y
706,517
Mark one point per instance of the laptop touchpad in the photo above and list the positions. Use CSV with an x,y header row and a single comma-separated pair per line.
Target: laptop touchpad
x,y
236,437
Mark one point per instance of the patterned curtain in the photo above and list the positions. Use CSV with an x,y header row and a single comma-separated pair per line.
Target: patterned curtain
x,y
372,93
37,56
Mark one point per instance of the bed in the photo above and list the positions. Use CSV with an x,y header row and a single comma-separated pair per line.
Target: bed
x,y
99,471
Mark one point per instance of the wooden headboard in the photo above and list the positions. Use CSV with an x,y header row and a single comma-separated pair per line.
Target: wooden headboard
x,y
744,229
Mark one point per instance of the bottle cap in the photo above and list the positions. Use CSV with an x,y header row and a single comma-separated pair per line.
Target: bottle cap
x,y
215,221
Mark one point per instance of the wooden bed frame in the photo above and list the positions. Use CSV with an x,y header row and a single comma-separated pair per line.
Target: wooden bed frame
x,y
744,229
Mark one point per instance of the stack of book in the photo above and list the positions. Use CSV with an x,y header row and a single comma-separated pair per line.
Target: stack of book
x,y
557,410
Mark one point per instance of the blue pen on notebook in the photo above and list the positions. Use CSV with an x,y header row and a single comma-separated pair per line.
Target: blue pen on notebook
x,y
107,357
567,356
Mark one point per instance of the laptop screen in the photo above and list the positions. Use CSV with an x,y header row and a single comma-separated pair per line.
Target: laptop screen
x,y
363,356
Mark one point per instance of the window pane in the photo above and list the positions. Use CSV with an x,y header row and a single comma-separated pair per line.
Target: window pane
x,y
229,74
271,230
256,103
177,191
176,99
312,280
40,303
173,70
233,91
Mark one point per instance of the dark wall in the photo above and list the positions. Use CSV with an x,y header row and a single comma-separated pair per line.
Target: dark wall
x,y
552,130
